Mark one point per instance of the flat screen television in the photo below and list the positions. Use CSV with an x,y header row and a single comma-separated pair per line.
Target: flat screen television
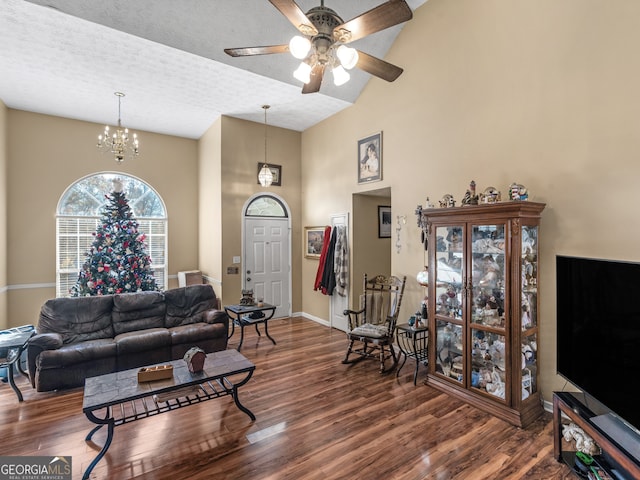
x,y
598,331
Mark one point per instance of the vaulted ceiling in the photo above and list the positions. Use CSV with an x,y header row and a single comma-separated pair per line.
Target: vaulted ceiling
x,y
68,57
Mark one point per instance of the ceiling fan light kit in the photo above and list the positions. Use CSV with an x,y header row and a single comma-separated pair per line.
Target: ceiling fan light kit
x,y
299,47
324,38
340,76
348,56
303,72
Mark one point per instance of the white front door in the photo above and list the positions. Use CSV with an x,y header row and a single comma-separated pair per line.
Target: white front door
x,y
267,262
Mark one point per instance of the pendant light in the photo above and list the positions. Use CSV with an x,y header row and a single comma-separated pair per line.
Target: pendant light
x,y
265,177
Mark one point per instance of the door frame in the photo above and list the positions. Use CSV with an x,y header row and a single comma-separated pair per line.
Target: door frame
x,y
337,303
283,202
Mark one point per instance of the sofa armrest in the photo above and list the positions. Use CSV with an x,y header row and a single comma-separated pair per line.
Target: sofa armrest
x,y
216,316
37,344
46,341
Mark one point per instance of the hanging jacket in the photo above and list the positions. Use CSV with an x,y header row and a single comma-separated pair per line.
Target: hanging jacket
x,y
328,281
341,261
323,258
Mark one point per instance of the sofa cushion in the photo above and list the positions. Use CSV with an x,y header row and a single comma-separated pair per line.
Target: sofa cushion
x,y
186,305
77,319
89,350
138,311
143,340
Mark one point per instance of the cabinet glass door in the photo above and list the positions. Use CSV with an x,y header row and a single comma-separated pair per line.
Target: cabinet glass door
x,y
449,291
488,310
449,357
488,275
488,362
529,309
529,249
448,271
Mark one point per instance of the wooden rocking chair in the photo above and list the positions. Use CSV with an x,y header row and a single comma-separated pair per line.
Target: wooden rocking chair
x,y
374,324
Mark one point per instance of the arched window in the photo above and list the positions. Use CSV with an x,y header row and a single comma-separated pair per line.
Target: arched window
x,y
266,206
79,211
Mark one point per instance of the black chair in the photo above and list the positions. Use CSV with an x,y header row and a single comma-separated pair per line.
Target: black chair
x,y
373,325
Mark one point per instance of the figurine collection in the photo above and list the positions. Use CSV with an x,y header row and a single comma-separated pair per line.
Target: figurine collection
x,y
516,193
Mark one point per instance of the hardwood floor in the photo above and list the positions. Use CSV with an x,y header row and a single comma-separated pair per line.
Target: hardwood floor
x,y
316,419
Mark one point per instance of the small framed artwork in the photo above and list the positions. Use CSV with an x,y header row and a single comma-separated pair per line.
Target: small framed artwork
x,y
384,221
370,158
313,241
276,171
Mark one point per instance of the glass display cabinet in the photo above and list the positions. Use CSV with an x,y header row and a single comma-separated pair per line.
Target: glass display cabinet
x,y
483,305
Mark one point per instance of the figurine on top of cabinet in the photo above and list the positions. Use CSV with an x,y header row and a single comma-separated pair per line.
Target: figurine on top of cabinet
x,y
470,197
518,192
490,195
447,201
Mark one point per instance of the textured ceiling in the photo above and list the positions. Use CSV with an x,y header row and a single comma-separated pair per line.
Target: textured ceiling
x,y
68,57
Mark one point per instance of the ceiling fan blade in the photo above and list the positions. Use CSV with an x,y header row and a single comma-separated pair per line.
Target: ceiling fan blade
x,y
297,17
379,18
377,67
246,51
316,79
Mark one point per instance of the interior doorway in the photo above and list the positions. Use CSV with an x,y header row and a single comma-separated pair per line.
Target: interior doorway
x,y
370,253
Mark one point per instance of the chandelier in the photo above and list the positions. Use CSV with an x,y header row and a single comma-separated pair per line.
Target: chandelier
x,y
119,142
265,177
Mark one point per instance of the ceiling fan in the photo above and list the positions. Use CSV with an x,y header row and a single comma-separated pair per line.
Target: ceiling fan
x,y
324,40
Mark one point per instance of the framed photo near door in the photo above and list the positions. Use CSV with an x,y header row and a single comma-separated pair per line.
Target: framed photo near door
x,y
370,158
313,241
384,221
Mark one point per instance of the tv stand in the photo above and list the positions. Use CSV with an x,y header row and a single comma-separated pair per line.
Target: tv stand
x,y
618,449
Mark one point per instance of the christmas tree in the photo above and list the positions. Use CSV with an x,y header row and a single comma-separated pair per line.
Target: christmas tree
x,y
117,261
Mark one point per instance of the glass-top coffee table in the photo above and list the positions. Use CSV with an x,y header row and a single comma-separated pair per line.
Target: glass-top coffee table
x,y
117,398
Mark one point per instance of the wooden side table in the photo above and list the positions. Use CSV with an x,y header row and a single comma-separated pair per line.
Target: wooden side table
x,y
241,316
413,344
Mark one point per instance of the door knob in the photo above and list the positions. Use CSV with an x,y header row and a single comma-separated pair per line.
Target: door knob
x,y
248,279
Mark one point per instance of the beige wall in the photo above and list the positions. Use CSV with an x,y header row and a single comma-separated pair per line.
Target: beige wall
x,y
210,201
47,154
3,216
542,93
241,150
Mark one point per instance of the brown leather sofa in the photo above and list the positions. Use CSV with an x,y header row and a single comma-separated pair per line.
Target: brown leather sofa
x,y
80,337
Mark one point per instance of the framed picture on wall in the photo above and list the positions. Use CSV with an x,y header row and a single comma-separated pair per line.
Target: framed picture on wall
x,y
370,158
384,221
276,171
313,241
